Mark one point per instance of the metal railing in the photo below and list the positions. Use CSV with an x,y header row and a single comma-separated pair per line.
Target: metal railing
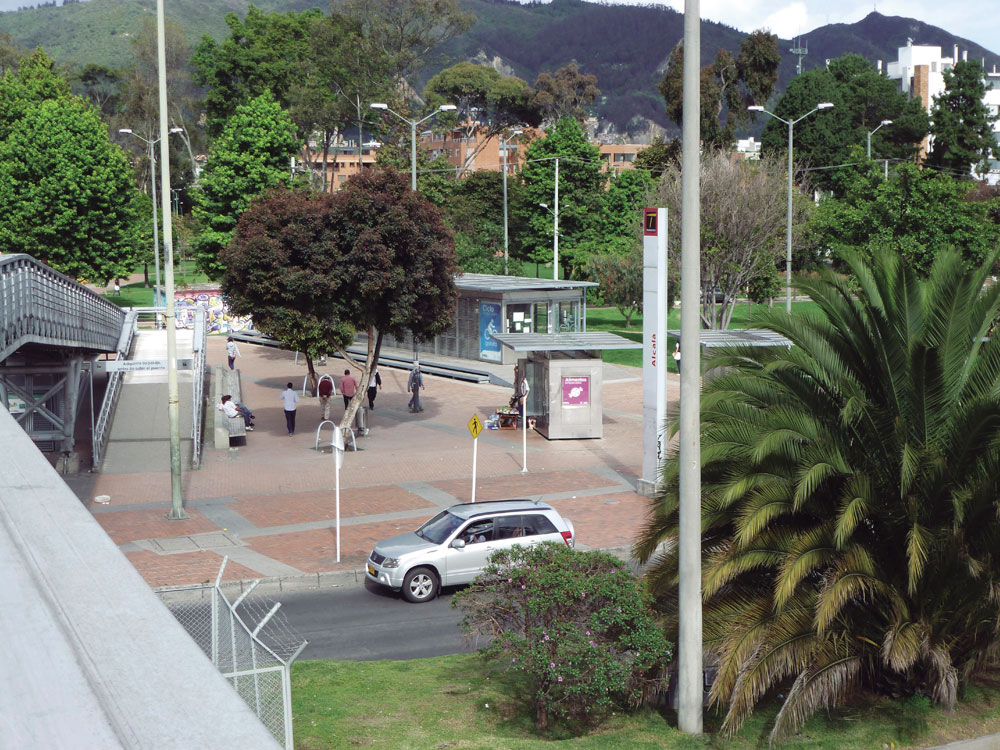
x,y
41,306
250,643
198,346
102,429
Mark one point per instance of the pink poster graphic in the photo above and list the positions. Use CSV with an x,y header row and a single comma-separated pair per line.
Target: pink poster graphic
x,y
576,390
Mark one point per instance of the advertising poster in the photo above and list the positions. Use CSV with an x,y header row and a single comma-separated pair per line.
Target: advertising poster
x,y
576,391
489,323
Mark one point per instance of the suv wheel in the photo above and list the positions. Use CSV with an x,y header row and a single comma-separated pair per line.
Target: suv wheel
x,y
420,585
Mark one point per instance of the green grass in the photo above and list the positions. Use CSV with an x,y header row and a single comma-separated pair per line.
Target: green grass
x,y
611,320
464,702
139,295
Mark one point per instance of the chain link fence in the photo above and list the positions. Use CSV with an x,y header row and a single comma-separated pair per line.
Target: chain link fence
x,y
249,641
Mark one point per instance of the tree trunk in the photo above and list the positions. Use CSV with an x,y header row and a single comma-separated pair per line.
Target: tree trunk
x,y
371,362
145,275
541,715
313,377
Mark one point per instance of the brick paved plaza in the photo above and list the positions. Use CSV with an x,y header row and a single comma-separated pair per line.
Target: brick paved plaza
x,y
269,506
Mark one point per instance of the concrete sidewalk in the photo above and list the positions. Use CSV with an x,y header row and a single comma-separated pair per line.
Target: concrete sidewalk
x,y
269,506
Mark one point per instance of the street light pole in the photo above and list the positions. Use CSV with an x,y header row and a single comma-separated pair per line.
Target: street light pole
x,y
873,132
152,174
413,133
503,148
788,226
555,230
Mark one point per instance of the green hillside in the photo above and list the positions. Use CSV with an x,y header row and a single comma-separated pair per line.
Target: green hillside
x,y
624,46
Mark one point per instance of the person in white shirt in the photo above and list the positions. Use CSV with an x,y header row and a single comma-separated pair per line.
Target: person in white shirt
x,y
290,399
373,385
233,410
232,351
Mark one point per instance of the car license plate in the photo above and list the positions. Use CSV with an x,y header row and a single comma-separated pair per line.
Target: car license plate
x,y
371,570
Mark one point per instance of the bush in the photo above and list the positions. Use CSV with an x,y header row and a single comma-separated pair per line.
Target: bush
x,y
576,623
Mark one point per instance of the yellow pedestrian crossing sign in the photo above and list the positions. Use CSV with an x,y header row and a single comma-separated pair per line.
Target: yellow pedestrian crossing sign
x,y
475,426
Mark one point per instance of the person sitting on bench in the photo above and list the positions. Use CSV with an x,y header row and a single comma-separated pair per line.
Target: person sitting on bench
x,y
233,410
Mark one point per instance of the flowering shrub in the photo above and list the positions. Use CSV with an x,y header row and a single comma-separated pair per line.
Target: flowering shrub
x,y
576,622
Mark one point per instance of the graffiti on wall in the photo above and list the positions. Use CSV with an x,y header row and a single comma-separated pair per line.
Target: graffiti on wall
x,y
220,320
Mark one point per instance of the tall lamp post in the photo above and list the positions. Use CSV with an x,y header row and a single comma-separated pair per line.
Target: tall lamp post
x,y
788,229
152,179
413,133
555,230
503,150
873,132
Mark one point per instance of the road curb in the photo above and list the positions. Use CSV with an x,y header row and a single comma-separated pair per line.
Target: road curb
x,y
271,586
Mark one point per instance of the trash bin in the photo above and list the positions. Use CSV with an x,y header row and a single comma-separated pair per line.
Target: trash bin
x,y
361,421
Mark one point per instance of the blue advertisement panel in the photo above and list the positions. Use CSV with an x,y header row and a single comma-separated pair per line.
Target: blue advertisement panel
x,y
489,323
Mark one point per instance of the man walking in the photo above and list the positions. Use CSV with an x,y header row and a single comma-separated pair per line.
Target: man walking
x,y
325,391
373,386
232,351
414,384
348,387
290,399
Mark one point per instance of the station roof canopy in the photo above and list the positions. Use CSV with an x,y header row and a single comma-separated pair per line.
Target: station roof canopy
x,y
737,337
487,282
564,342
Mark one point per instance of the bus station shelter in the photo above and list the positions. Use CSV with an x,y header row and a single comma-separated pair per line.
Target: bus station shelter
x,y
716,339
565,375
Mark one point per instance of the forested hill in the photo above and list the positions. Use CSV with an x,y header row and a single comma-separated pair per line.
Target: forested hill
x,y
624,46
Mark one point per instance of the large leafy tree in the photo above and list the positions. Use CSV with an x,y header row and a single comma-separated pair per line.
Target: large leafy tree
x,y
963,124
744,214
265,52
314,268
728,86
581,192
917,212
253,153
66,190
565,93
850,487
862,99
488,103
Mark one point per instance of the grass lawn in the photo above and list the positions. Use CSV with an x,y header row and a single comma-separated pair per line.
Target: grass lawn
x,y
463,702
610,319
139,295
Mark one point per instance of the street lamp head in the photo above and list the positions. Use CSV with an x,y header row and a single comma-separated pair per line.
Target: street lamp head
x,y
378,105
824,105
887,122
127,131
447,108
172,131
755,108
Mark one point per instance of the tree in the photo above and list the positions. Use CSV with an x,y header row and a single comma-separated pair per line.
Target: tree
x,y
963,124
849,494
575,622
314,268
251,154
727,85
67,192
620,277
102,87
565,93
11,54
744,212
581,191
917,212
34,81
488,103
264,53
658,156
862,99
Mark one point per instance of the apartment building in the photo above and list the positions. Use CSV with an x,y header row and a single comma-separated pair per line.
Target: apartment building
x,y
342,161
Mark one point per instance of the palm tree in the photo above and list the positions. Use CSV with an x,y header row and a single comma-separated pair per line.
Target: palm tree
x,y
850,495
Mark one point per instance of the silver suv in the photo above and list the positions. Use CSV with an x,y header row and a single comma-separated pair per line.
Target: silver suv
x,y
453,546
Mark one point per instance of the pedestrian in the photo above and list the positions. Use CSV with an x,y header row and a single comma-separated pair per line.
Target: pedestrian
x,y
118,288
348,387
232,351
325,390
290,399
373,385
677,356
234,409
414,384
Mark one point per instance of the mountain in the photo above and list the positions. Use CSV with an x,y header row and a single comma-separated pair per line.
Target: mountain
x,y
625,46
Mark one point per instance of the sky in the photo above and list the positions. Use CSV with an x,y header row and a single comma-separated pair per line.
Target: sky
x,y
977,20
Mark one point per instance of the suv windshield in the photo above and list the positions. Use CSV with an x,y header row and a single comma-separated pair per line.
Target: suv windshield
x,y
439,528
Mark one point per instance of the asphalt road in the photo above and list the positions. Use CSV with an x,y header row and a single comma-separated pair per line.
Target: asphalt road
x,y
365,623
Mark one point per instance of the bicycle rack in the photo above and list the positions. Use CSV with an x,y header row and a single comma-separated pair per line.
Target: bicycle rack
x,y
350,433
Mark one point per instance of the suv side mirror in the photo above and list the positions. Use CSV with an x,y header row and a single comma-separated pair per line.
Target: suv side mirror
x,y
458,543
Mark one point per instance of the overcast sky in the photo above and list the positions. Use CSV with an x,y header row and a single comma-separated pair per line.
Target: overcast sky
x,y
977,20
